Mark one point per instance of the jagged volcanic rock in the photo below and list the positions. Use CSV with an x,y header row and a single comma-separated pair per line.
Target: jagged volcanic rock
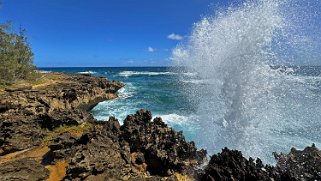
x,y
138,150
165,150
230,165
301,165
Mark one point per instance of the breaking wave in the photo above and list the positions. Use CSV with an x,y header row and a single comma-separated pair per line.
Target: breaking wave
x,y
133,73
246,104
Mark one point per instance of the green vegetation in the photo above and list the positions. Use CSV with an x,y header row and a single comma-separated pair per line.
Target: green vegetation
x,y
75,131
16,57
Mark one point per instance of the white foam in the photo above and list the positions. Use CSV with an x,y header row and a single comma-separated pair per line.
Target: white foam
x,y
173,119
87,72
129,90
43,71
190,74
196,81
134,73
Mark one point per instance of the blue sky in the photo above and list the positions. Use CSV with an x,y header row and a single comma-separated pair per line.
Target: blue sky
x,y
65,33
104,33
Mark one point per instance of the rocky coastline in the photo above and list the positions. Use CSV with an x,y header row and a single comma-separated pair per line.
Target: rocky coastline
x,y
47,133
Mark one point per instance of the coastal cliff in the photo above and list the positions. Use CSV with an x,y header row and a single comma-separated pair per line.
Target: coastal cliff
x,y
26,114
46,133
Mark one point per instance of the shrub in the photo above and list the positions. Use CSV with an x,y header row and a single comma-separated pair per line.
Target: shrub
x,y
16,57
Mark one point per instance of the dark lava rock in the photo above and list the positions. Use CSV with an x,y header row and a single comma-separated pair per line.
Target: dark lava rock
x,y
24,169
230,165
301,165
98,159
140,149
165,150
61,148
18,135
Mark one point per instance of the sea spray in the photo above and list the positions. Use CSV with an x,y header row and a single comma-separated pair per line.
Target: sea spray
x,y
247,103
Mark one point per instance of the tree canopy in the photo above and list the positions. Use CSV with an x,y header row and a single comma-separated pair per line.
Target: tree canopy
x,y
16,57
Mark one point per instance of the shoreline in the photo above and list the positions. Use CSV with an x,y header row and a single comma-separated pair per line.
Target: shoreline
x,y
47,133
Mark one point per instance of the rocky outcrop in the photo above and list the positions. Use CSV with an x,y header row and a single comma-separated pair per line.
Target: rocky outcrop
x,y
146,149
26,114
72,92
165,151
301,165
140,149
231,165
297,165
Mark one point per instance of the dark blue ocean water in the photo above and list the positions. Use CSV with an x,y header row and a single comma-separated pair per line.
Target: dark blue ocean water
x,y
293,118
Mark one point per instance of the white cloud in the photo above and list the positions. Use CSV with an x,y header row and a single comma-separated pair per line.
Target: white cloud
x,y
150,49
131,61
174,36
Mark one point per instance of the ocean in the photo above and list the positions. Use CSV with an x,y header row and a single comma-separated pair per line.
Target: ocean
x,y
187,102
158,89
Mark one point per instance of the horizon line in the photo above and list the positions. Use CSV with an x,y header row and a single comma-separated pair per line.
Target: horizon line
x,y
103,66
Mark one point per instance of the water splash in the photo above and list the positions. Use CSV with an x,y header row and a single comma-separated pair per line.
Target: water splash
x,y
248,105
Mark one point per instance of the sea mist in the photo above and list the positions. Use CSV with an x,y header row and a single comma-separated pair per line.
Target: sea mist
x,y
245,100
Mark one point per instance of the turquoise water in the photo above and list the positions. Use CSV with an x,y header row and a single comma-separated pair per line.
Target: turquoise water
x,y
158,89
185,101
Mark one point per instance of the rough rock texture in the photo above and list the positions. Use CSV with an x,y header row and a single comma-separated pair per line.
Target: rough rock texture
x,y
230,165
301,165
97,156
25,113
24,169
297,165
140,149
164,150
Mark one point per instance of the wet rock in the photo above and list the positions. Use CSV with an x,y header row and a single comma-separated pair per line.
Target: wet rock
x,y
231,165
301,165
164,149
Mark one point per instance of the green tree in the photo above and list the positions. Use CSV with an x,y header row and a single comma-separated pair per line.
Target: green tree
x,y
16,57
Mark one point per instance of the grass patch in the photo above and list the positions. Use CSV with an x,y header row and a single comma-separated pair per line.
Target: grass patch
x,y
76,131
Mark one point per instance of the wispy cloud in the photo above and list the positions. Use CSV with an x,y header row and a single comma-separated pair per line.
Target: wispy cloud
x,y
151,49
174,36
